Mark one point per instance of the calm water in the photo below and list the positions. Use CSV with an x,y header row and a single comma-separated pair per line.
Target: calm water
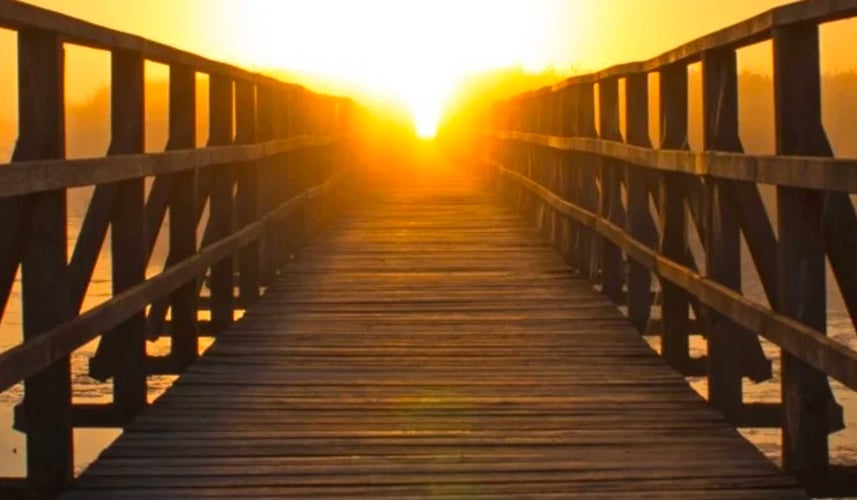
x,y
90,442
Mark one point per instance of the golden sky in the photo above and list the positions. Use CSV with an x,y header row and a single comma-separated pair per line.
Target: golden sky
x,y
416,51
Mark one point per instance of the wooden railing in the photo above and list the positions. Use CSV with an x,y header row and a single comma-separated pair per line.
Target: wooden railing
x,y
620,210
274,153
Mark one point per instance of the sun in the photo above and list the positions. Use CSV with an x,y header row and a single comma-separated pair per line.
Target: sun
x,y
426,100
426,119
415,51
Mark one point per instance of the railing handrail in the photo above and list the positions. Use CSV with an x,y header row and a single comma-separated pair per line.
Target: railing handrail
x,y
811,172
27,177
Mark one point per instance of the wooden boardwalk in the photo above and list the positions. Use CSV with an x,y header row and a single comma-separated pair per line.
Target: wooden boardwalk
x,y
432,345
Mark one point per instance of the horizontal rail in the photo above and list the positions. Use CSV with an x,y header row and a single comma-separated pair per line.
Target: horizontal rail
x,y
833,174
741,34
34,176
16,15
808,344
28,359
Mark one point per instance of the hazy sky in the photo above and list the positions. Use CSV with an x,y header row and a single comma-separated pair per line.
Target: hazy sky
x,y
415,50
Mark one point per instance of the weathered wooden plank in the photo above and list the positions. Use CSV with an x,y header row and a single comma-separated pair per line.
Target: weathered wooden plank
x,y
648,490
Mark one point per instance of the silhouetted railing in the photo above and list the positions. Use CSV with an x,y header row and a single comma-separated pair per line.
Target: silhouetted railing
x,y
620,211
273,155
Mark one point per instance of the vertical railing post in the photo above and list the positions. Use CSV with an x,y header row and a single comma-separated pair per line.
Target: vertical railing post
x,y
610,201
806,396
183,221
248,191
265,123
562,116
541,167
722,236
534,166
47,395
301,225
524,150
514,147
674,305
553,101
316,208
521,151
221,200
285,172
537,164
128,232
588,189
638,221
571,128
293,231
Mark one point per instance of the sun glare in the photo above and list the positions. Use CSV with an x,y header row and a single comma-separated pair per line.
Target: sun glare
x,y
413,52
426,120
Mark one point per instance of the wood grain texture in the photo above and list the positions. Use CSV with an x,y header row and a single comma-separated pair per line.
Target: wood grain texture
x,y
47,394
395,357
807,398
183,213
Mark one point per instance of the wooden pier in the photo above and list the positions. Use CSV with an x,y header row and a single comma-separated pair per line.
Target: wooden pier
x,y
443,329
431,345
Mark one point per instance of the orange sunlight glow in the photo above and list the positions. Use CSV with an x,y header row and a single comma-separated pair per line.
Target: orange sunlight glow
x,y
413,52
